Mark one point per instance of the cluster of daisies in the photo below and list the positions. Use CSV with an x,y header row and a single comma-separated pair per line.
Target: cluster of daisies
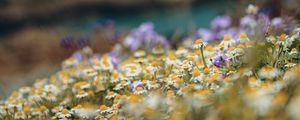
x,y
235,78
240,77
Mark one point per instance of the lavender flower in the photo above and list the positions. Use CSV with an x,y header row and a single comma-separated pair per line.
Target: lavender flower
x,y
205,34
78,56
83,41
114,59
221,22
67,42
144,35
219,61
248,21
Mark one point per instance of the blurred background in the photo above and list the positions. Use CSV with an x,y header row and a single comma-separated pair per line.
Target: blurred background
x,y
31,30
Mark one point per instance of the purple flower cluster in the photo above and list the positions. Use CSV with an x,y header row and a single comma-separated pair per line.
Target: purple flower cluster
x,y
143,36
219,61
70,42
250,24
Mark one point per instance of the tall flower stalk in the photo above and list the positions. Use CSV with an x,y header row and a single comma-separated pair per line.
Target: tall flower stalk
x,y
200,44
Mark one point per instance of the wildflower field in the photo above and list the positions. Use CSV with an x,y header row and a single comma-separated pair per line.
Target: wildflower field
x,y
250,71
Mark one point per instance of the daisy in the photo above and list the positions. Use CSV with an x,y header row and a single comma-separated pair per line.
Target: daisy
x,y
239,50
106,63
208,51
243,38
181,51
65,114
290,65
51,97
114,78
85,110
43,110
139,53
90,72
155,66
152,84
158,50
254,82
178,82
197,75
104,109
56,109
172,60
66,78
227,42
24,90
268,72
271,39
20,115
283,40
124,83
293,51
132,70
110,95
71,62
51,89
81,94
140,90
199,44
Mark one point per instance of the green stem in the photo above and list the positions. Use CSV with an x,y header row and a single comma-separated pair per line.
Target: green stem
x,y
278,56
203,59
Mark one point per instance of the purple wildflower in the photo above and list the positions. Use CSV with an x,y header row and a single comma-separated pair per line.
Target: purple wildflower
x,y
67,42
248,21
221,22
144,35
219,61
205,34
114,59
78,56
83,41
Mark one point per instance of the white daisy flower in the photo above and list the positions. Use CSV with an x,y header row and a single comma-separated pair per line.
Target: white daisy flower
x,y
139,53
82,94
243,38
268,72
199,44
139,90
65,114
110,95
227,42
104,109
181,51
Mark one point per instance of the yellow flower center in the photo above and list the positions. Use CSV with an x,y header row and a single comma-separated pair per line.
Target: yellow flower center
x,y
196,72
283,37
43,108
227,37
180,48
206,71
243,36
209,48
178,80
199,42
26,108
64,111
81,92
103,107
110,93
123,82
152,82
172,57
139,89
240,46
